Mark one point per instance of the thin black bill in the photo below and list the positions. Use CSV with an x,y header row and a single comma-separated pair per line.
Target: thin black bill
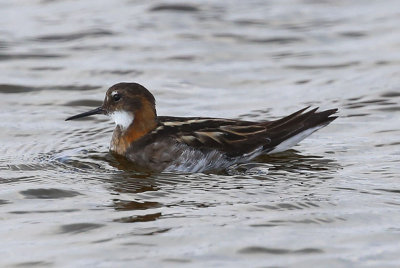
x,y
98,110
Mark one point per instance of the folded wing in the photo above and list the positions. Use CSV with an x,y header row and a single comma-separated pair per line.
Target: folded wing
x,y
237,137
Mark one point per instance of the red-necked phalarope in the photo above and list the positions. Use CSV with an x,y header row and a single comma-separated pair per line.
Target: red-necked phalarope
x,y
195,144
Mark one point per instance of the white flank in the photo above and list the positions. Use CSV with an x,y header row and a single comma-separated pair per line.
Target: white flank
x,y
287,144
193,160
122,119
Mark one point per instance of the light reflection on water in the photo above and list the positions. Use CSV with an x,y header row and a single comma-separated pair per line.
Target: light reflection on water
x,y
333,200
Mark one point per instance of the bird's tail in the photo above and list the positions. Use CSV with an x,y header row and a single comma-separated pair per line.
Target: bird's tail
x,y
290,130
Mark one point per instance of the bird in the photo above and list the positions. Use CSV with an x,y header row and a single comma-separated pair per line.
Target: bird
x,y
195,144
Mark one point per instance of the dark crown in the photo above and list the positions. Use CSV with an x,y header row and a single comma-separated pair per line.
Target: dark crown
x,y
135,89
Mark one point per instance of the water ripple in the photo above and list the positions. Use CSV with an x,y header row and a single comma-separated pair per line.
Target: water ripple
x,y
73,36
175,8
264,250
248,59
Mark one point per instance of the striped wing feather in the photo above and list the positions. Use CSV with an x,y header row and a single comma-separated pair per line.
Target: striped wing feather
x,y
236,137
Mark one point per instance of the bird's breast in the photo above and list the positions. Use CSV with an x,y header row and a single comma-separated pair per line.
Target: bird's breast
x,y
119,143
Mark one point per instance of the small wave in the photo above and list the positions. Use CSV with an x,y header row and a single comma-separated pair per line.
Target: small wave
x,y
73,36
175,7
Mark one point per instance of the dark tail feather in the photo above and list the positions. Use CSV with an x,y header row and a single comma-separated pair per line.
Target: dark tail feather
x,y
290,130
289,117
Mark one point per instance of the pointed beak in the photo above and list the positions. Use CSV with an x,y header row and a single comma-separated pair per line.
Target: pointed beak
x,y
98,110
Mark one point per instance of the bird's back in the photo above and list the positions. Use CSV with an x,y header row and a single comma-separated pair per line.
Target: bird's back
x,y
195,144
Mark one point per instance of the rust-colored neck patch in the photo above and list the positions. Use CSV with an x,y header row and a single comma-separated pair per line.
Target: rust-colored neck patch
x,y
145,120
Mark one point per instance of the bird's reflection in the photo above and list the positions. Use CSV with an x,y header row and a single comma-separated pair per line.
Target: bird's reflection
x,y
131,179
294,161
137,190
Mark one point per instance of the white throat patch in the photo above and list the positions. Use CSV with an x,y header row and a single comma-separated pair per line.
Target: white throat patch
x,y
122,119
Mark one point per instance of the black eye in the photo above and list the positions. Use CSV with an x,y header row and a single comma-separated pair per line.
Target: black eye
x,y
116,97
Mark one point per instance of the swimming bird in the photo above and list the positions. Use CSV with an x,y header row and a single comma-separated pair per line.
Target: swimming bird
x,y
195,144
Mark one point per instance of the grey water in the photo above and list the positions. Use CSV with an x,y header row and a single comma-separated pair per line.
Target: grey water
x,y
332,201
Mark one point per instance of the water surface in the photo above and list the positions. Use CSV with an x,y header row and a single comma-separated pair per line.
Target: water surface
x,y
332,201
